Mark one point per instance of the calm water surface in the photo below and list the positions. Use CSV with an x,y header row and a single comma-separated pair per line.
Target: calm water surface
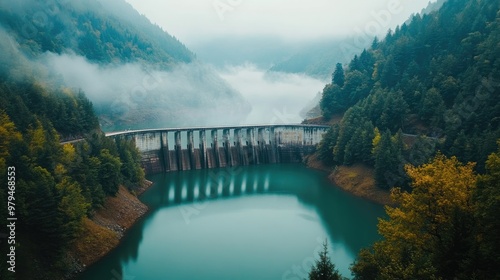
x,y
254,222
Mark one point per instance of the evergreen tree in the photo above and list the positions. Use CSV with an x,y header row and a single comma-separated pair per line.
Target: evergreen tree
x,y
58,185
387,157
325,147
487,201
333,101
338,75
109,175
434,76
324,269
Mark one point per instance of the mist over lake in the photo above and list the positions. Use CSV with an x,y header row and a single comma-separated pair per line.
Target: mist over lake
x,y
275,98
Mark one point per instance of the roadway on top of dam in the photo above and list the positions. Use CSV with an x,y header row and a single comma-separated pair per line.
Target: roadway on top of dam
x,y
154,130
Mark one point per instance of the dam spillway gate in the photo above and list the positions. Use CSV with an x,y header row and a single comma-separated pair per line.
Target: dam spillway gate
x,y
176,149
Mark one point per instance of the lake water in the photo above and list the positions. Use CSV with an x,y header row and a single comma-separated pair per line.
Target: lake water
x,y
254,222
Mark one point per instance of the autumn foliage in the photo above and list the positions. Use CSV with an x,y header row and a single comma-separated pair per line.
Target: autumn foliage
x,y
433,233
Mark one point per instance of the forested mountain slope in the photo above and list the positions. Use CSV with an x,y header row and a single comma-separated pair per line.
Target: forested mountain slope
x,y
101,31
422,108
53,187
134,72
437,77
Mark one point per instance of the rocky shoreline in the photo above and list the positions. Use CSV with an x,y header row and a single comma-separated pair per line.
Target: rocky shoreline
x,y
104,230
357,180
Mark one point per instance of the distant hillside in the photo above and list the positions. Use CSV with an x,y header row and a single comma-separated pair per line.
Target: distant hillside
x,y
133,71
262,51
437,76
318,58
314,59
55,186
101,31
432,6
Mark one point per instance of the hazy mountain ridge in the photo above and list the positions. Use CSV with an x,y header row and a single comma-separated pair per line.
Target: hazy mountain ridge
x,y
318,58
314,59
90,28
262,51
132,70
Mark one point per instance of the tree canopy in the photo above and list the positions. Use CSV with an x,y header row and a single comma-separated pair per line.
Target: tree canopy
x,y
58,185
434,78
445,228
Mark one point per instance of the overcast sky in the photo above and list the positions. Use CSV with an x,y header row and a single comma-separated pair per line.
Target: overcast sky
x,y
195,20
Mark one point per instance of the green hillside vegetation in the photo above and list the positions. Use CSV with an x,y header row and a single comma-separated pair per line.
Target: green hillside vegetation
x,y
422,108
94,29
57,185
430,85
134,72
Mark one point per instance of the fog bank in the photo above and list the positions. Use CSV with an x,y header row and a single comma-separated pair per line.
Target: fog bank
x,y
133,96
275,98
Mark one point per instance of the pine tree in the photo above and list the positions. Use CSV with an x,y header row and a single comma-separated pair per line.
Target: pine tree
x,y
487,201
324,269
338,75
109,172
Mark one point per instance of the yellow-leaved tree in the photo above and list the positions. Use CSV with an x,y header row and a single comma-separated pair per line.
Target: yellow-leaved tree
x,y
8,136
428,234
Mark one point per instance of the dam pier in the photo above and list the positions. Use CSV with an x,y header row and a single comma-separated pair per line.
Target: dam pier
x,y
177,149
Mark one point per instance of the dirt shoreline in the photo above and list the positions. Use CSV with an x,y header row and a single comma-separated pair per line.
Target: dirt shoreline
x,y
357,180
104,230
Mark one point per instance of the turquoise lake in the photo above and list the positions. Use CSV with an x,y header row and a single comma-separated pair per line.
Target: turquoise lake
x,y
252,222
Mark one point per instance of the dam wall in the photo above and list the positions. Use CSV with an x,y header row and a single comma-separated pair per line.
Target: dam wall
x,y
166,150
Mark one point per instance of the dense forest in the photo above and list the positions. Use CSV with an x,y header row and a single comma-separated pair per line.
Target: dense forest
x,y
422,108
430,85
56,185
131,69
101,31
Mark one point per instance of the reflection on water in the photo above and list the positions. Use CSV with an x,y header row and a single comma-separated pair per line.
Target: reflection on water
x,y
254,222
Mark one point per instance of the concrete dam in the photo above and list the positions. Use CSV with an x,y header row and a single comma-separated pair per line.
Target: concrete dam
x,y
176,149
